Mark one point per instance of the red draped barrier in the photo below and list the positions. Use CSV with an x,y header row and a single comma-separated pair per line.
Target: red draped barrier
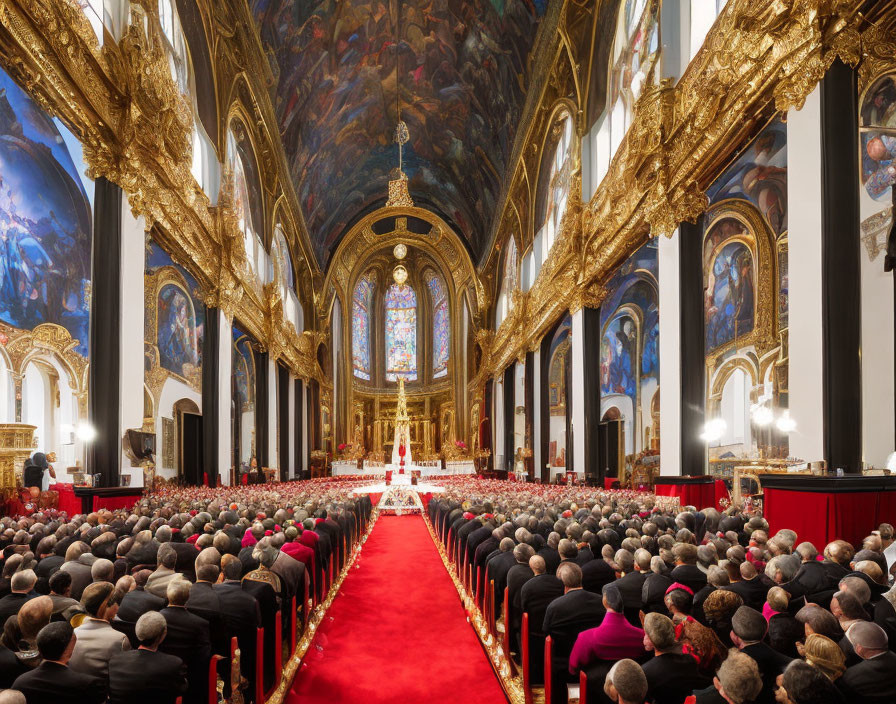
x,y
375,498
700,494
820,517
67,500
115,502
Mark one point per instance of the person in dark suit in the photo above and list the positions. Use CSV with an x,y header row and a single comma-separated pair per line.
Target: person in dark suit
x,y
686,571
653,593
205,603
812,576
22,585
871,681
480,557
671,674
188,638
10,667
138,601
535,596
517,577
241,614
497,569
566,617
750,587
145,675
596,574
748,628
53,682
550,553
477,537
630,583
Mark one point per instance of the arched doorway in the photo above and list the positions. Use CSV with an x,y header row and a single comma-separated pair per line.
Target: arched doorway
x,y
188,424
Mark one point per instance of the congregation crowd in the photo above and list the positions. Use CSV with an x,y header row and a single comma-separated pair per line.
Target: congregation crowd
x,y
654,603
666,606
130,606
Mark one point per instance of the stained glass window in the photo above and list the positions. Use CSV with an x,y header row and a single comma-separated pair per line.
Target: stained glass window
x,y
441,325
401,333
361,303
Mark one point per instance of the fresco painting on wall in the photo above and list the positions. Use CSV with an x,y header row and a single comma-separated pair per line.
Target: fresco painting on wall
x,y
459,68
878,138
759,175
629,357
46,215
730,294
246,183
441,325
180,316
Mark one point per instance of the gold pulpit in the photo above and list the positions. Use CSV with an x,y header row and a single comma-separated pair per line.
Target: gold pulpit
x,y
16,441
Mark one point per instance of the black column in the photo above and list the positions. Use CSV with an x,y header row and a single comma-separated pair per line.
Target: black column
x,y
283,419
840,245
211,365
693,391
485,430
103,401
509,410
300,428
545,407
591,379
261,408
314,434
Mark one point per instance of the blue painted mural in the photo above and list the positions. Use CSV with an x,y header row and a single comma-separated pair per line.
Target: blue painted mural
x,y
46,220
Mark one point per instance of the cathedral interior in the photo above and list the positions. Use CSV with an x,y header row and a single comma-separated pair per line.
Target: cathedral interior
x,y
271,241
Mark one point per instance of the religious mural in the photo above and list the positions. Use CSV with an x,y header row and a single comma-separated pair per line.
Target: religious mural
x,y
401,333
746,299
459,70
441,325
557,392
247,196
175,326
361,333
878,138
46,220
636,51
243,398
730,286
629,355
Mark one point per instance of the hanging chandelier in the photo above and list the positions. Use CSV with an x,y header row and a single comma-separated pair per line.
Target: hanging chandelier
x,y
398,187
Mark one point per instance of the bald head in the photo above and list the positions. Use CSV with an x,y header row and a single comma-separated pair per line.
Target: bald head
x,y
537,564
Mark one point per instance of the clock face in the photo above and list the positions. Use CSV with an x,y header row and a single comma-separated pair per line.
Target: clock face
x,y
400,251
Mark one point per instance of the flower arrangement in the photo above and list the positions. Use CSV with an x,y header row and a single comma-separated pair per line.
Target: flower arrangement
x,y
460,444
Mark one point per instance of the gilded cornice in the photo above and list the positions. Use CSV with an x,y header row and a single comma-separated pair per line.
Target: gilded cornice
x,y
135,126
760,56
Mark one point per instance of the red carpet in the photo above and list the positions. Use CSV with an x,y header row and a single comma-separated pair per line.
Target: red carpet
x,y
397,631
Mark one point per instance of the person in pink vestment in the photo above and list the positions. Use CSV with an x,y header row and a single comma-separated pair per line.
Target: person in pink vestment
x,y
614,639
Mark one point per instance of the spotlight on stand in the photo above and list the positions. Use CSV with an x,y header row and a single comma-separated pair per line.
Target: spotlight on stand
x,y
762,415
785,423
86,432
714,430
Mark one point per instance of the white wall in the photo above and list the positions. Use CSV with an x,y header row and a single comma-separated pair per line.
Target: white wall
x,y
225,370
670,355
498,426
804,205
538,461
577,350
274,459
519,402
173,390
133,260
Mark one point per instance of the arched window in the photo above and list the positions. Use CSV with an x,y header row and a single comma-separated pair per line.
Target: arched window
x,y
401,333
558,185
247,195
509,281
634,58
362,300
441,325
292,308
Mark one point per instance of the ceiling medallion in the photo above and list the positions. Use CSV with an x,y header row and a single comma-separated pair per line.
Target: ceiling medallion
x,y
400,274
400,251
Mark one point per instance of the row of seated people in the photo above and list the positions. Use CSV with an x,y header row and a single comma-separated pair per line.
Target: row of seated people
x,y
607,576
148,605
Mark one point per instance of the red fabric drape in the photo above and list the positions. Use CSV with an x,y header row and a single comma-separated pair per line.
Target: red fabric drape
x,y
115,502
67,499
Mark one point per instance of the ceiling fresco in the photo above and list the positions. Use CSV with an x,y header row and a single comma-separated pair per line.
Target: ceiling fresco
x,y
460,67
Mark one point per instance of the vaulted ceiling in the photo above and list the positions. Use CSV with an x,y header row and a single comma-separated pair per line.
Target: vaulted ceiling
x,y
460,70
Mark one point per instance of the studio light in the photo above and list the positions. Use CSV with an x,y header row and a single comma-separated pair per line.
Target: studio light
x,y
86,432
762,415
714,430
785,423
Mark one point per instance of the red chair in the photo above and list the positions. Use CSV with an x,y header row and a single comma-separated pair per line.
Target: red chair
x,y
548,670
491,606
524,646
213,678
506,608
583,687
305,604
259,665
477,592
293,617
278,654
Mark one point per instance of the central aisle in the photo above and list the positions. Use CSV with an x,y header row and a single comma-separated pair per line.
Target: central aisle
x,y
397,631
